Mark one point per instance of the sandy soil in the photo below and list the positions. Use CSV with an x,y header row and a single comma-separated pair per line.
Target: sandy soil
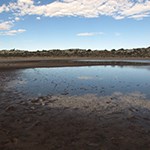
x,y
31,62
66,122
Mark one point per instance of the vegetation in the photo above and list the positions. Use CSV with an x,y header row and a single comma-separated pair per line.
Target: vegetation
x,y
138,52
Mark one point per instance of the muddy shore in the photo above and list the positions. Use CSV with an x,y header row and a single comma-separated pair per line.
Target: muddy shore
x,y
83,122
32,62
62,122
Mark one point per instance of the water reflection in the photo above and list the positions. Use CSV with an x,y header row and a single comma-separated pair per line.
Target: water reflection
x,y
142,67
99,80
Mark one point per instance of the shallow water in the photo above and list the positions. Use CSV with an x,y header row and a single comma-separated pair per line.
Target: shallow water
x,y
99,80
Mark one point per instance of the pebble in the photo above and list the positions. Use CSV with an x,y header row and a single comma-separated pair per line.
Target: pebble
x,y
33,107
35,100
10,108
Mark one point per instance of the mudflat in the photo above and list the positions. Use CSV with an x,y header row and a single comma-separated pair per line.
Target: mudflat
x,y
32,62
77,122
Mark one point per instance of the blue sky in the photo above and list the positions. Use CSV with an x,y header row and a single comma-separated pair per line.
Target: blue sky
x,y
64,24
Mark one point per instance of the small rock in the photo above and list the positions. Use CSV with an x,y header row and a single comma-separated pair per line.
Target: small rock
x,y
33,107
10,108
14,140
41,113
34,101
43,104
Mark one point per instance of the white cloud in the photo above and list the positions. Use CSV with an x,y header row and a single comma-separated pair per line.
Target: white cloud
x,y
17,18
39,2
7,25
38,18
118,9
13,32
30,2
140,16
138,9
90,33
2,8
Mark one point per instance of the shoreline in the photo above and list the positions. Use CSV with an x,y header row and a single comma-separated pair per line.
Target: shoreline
x,y
116,121
40,62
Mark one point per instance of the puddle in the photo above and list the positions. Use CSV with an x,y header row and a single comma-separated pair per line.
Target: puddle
x,y
99,80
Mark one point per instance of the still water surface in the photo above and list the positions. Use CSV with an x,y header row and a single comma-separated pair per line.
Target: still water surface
x,y
99,80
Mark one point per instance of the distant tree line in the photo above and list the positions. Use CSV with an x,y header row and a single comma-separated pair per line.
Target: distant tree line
x,y
138,52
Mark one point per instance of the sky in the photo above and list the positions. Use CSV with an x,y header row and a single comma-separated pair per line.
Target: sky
x,y
65,24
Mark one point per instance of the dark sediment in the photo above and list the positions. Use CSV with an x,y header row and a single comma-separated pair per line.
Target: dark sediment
x,y
18,63
74,122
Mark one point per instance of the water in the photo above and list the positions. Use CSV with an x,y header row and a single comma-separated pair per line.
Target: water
x,y
99,80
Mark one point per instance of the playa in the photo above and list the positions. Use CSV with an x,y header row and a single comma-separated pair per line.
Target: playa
x,y
77,122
